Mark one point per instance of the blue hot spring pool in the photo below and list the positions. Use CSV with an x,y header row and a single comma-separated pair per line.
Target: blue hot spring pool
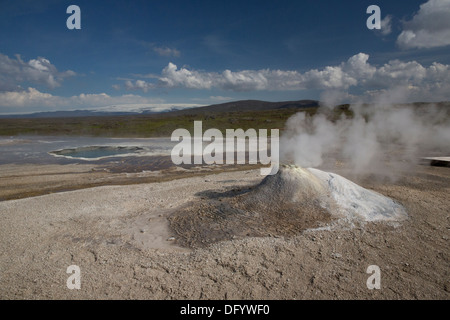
x,y
65,150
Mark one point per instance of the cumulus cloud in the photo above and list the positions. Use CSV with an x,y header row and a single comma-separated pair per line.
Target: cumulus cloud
x,y
248,80
14,72
430,26
415,82
356,72
174,77
27,97
32,98
138,85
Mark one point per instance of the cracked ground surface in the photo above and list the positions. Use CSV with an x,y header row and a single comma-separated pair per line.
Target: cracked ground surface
x,y
118,236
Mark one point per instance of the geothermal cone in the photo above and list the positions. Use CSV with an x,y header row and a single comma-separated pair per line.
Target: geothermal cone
x,y
356,202
284,204
290,185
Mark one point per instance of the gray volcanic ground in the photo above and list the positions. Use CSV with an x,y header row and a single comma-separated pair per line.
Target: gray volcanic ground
x,y
120,238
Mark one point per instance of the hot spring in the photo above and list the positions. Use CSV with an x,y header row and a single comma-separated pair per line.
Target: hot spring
x,y
97,152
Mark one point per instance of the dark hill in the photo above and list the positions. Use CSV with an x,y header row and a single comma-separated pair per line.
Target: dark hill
x,y
248,105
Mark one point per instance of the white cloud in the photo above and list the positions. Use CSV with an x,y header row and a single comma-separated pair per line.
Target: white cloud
x,y
166,52
13,72
34,99
356,72
358,67
403,80
138,85
430,26
329,78
248,80
171,76
386,25
28,97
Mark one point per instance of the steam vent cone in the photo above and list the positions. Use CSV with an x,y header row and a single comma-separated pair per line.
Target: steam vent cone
x,y
284,204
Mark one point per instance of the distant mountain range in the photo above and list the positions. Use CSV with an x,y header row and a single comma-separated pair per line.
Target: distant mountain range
x,y
81,113
242,105
66,114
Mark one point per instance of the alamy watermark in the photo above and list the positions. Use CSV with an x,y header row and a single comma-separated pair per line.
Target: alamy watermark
x,y
374,21
74,20
233,148
374,281
74,280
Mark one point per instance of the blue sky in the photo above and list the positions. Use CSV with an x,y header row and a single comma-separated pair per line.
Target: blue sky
x,y
155,54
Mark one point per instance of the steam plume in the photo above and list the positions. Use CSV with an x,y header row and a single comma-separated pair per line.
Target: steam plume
x,y
379,136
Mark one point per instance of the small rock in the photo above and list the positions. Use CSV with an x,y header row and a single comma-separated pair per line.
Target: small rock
x,y
207,180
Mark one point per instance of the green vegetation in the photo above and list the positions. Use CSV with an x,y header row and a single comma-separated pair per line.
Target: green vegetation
x,y
160,125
